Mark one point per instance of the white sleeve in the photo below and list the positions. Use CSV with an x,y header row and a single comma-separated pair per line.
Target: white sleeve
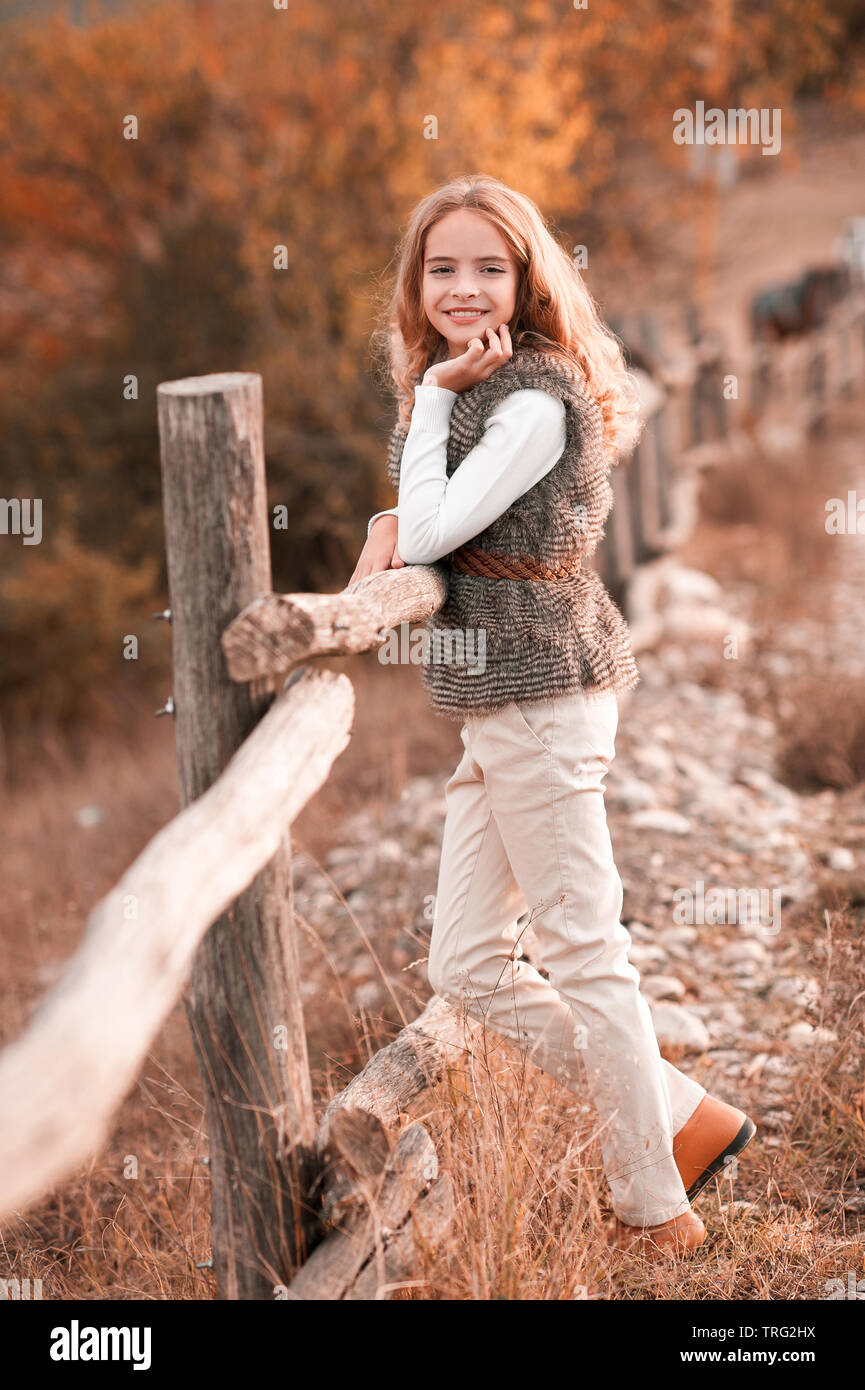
x,y
389,511
523,438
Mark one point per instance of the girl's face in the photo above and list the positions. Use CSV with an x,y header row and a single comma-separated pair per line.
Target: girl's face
x,y
470,279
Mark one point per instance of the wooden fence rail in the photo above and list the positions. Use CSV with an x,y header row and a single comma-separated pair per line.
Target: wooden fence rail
x,y
63,1078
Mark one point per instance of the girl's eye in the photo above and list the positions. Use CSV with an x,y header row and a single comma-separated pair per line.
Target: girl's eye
x,y
498,268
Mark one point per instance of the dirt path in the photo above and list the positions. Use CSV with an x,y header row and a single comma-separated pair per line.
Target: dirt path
x,y
772,224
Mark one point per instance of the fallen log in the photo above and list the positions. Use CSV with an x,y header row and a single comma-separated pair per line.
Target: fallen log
x,y
382,1203
399,1072
421,1235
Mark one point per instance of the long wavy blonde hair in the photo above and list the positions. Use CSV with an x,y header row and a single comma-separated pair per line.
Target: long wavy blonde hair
x,y
554,311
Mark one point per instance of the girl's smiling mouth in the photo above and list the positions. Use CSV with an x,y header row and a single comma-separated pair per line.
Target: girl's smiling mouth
x,y
465,315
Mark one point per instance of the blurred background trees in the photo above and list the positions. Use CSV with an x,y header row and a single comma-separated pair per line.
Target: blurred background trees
x,y
304,128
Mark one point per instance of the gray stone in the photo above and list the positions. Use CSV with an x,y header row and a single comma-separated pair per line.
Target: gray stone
x,y
682,584
678,935
775,1119
640,932
656,818
841,859
742,1208
368,995
749,949
654,757
805,1035
644,955
663,987
676,1027
800,990
632,793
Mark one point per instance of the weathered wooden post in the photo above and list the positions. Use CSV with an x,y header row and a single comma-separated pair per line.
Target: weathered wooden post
x,y
817,382
619,539
716,394
846,348
761,376
692,316
634,477
659,426
243,1000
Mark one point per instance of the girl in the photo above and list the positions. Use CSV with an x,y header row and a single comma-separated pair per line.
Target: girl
x,y
514,403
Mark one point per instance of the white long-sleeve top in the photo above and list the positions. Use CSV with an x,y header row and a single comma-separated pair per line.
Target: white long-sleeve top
x,y
524,437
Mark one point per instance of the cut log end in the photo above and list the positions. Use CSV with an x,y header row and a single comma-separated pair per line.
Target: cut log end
x,y
211,384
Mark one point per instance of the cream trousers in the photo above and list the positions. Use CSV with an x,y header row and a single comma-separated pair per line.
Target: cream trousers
x,y
526,829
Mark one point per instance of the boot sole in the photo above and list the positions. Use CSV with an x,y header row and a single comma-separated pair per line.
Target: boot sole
x,y
742,1139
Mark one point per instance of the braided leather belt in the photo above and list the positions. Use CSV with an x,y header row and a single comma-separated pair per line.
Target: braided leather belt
x,y
470,559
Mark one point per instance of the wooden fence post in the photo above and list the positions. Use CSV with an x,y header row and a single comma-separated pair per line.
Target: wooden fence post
x,y
716,395
817,382
692,317
619,540
846,352
761,382
650,339
635,478
243,1001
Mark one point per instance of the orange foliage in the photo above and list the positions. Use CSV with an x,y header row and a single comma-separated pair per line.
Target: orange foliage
x,y
306,128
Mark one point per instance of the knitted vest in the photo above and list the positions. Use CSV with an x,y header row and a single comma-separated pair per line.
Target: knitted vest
x,y
497,640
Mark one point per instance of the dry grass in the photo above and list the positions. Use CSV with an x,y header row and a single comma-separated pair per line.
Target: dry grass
x,y
830,1094
821,732
762,524
103,1234
106,1234
526,1164
762,532
525,1159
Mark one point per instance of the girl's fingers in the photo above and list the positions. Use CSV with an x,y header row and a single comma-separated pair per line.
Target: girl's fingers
x,y
501,346
498,350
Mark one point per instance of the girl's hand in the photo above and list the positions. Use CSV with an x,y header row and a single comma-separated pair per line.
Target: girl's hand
x,y
380,552
477,362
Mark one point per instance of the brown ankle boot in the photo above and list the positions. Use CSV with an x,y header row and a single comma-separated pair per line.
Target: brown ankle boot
x,y
677,1237
708,1141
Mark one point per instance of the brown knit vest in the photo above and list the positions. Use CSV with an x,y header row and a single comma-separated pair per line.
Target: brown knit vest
x,y
513,635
